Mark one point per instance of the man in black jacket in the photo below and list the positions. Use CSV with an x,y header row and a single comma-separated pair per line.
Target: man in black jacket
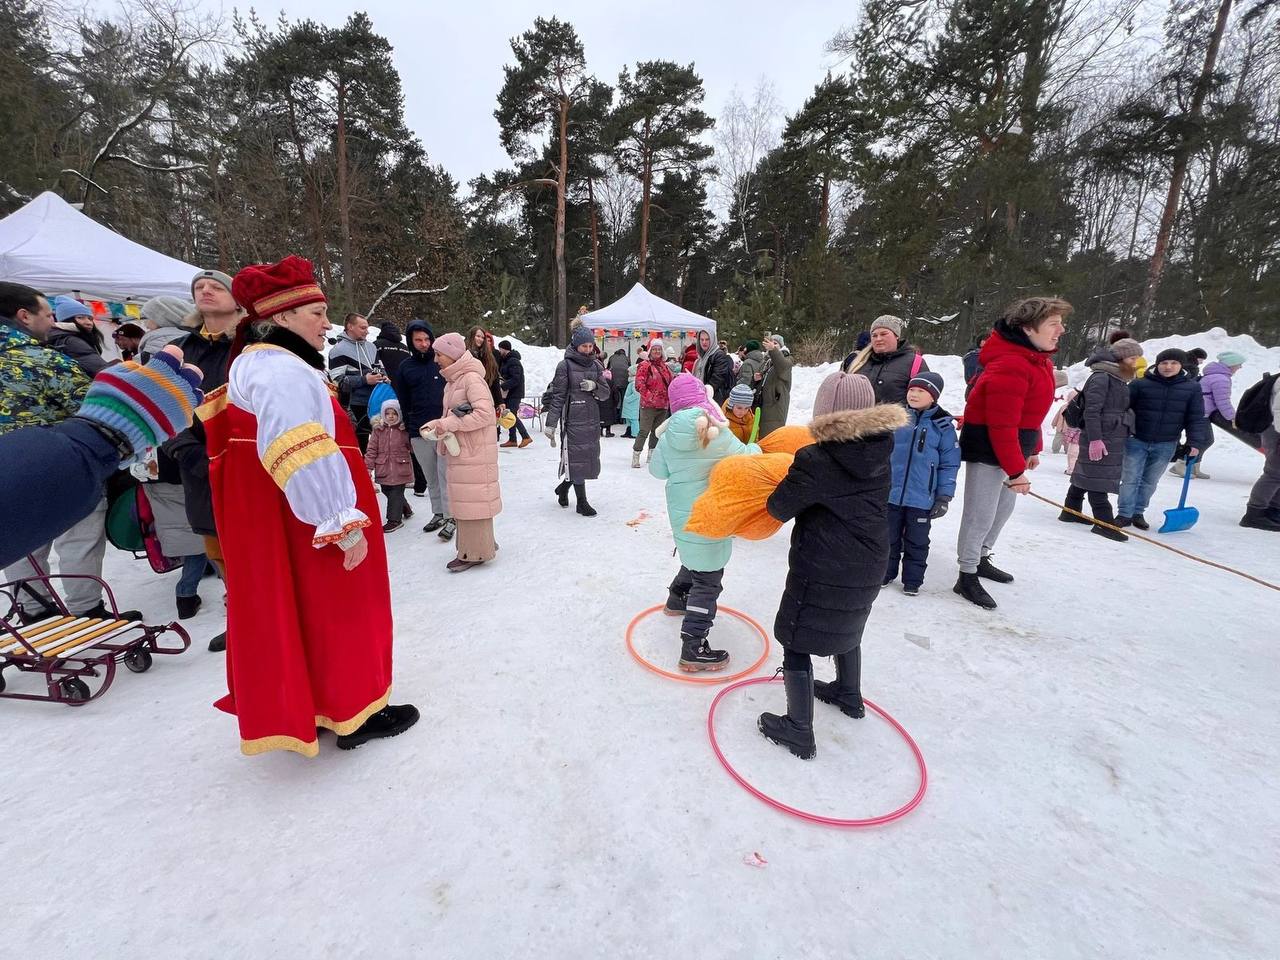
x,y
715,367
420,389
390,349
511,383
209,348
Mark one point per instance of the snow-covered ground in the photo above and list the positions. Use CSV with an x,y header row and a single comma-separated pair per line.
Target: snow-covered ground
x,y
1102,754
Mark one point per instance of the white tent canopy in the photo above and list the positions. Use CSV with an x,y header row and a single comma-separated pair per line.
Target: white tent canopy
x,y
53,247
641,310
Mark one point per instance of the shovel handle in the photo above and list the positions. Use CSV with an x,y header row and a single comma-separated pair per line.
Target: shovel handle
x,y
1186,480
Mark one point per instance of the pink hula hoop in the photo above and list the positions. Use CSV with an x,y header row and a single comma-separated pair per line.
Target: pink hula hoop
x,y
897,814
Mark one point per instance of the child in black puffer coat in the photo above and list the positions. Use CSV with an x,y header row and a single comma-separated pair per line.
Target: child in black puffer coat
x,y
837,490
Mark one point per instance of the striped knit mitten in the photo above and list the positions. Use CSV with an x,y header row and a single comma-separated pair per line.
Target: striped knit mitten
x,y
146,405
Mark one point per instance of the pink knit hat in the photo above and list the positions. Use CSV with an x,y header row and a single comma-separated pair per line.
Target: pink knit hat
x,y
843,391
686,391
450,345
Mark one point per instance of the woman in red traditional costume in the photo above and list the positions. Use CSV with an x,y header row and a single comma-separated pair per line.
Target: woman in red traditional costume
x,y
292,502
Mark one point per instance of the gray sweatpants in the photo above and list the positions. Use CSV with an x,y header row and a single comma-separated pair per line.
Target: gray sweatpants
x,y
80,550
988,504
433,466
1265,494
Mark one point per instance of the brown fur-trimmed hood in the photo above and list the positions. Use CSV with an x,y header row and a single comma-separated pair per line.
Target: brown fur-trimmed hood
x,y
858,424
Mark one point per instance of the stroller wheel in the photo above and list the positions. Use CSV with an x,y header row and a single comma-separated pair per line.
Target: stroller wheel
x,y
73,689
138,659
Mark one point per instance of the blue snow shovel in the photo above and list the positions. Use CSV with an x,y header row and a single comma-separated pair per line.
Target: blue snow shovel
x,y
1182,517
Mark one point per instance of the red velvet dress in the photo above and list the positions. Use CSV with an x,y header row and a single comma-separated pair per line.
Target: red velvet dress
x,y
308,643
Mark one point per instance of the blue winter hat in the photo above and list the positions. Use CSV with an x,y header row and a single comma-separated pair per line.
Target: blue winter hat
x,y
1229,357
70,309
928,380
741,396
581,334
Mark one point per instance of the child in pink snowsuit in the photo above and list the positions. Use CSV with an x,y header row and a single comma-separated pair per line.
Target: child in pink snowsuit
x,y
391,461
1070,435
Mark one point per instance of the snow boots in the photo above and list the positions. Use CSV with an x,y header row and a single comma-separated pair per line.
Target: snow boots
x,y
448,530
562,492
1258,519
970,587
635,459
1068,517
794,730
675,604
989,571
845,691
187,606
696,654
1179,469
219,643
580,494
388,722
434,524
1103,513
1140,522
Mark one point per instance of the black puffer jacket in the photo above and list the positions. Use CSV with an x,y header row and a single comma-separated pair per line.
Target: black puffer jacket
x,y
213,356
837,490
889,373
84,348
511,379
1163,407
577,412
391,349
1107,418
418,384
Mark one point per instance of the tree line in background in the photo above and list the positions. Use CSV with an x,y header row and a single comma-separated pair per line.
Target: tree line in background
x,y
964,153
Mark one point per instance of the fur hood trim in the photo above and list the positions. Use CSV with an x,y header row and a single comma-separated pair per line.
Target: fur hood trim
x,y
846,425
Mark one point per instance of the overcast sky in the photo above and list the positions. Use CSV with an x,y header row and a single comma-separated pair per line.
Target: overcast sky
x,y
450,54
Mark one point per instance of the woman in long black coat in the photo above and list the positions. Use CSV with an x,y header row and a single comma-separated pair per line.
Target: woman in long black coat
x,y
578,394
1107,425
837,490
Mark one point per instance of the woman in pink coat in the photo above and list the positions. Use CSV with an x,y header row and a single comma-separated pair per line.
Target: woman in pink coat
x,y
469,443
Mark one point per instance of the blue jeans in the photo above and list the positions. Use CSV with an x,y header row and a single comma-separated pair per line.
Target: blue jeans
x,y
192,570
1144,464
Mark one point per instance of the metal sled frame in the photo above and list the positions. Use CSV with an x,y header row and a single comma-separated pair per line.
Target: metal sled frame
x,y
66,649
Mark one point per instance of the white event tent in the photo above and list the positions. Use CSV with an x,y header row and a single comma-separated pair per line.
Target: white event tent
x,y
643,313
53,247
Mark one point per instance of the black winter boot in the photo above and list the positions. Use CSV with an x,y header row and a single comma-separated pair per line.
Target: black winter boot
x,y
188,606
562,493
388,722
1066,517
1106,516
1257,519
794,730
1140,522
695,655
219,643
989,571
675,604
434,524
585,508
970,587
845,691
1124,521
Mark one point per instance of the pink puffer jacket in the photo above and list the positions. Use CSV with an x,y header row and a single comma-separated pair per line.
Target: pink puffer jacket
x,y
388,455
474,492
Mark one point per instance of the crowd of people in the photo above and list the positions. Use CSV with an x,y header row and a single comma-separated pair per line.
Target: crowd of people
x,y
271,485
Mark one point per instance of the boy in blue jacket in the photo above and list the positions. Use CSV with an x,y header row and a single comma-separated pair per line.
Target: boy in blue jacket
x,y
926,459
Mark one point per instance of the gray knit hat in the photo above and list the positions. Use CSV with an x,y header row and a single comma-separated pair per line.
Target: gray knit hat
x,y
889,322
167,311
218,275
777,338
1123,349
843,391
741,396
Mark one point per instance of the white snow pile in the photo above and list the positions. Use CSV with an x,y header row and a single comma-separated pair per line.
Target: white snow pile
x,y
1102,753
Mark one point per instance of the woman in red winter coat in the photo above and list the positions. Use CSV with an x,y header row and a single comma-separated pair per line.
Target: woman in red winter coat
x,y
1001,437
652,380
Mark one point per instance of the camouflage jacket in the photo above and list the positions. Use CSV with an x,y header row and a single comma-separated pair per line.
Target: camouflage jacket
x,y
38,386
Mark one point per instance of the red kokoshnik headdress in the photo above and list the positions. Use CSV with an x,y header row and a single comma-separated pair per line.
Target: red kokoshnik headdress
x,y
265,289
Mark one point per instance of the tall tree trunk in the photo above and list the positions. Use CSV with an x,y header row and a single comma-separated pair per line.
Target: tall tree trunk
x,y
595,245
320,249
646,181
344,200
824,206
560,326
1179,174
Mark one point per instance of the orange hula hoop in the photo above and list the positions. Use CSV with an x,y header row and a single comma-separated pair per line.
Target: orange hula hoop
x,y
706,681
